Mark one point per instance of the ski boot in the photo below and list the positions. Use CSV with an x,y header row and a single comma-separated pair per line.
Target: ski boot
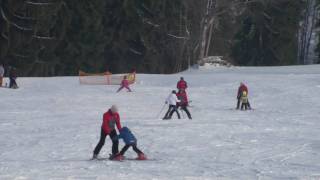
x,y
141,157
95,156
116,157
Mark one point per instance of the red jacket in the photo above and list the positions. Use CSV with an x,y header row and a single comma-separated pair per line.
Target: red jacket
x,y
241,89
182,85
182,96
125,83
110,120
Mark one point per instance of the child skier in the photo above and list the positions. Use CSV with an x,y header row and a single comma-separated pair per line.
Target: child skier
x,y
124,84
244,101
130,141
242,88
172,100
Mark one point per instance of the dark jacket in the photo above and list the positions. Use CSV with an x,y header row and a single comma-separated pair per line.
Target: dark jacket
x,y
13,73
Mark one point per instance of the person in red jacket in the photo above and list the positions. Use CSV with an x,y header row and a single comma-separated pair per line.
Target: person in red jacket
x,y
182,84
184,103
242,88
124,84
111,120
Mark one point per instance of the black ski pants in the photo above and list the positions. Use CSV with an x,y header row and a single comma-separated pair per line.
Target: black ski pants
x,y
13,83
114,139
239,101
171,110
127,146
185,109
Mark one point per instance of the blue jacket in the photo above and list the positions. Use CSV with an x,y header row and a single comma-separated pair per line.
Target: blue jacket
x,y
127,136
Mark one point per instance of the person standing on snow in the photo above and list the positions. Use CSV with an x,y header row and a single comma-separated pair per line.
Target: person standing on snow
x,y
13,77
130,141
242,88
172,100
110,119
182,84
244,101
1,74
184,103
124,84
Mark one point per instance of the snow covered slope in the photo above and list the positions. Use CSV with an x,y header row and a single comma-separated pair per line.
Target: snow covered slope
x,y
49,127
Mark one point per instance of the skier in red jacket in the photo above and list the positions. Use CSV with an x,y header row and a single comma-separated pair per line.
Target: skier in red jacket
x,y
184,103
124,84
242,88
182,84
110,120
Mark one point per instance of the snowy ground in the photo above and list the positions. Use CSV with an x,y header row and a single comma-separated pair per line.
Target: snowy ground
x,y
49,127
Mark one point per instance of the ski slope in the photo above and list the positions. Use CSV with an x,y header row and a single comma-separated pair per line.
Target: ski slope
x,y
50,126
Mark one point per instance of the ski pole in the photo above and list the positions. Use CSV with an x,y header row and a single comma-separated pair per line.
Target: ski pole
x,y
181,111
161,110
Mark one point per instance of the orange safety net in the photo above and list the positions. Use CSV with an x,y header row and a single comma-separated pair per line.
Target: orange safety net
x,y
106,78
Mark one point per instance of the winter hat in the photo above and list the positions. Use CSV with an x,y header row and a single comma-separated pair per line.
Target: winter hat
x,y
114,108
123,129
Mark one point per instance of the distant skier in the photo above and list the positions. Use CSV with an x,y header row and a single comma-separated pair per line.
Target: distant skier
x,y
13,77
182,84
110,119
172,100
1,74
124,84
130,141
184,103
242,88
244,101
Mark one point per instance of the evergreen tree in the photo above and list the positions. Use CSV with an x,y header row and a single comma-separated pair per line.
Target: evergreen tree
x,y
268,35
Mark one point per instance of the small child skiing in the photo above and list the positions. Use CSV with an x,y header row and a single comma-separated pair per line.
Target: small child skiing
x,y
172,100
124,84
242,88
130,141
244,101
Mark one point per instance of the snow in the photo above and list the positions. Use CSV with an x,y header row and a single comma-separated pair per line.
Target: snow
x,y
50,126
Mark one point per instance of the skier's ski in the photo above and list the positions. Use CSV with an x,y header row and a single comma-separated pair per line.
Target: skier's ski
x,y
98,159
235,109
5,87
104,159
135,159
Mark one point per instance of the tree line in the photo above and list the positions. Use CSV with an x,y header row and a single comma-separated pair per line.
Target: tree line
x,y
60,37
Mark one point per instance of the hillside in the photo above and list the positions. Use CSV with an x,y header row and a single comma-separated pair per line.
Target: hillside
x,y
50,126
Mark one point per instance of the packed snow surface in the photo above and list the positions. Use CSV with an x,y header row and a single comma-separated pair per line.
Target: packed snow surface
x,y
50,126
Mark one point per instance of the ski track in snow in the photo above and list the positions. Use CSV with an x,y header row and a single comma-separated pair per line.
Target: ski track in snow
x,y
50,126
